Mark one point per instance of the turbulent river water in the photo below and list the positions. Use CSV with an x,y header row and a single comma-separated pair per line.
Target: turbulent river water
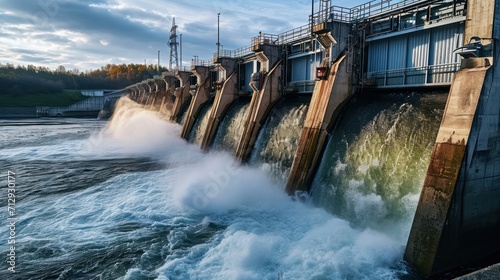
x,y
129,199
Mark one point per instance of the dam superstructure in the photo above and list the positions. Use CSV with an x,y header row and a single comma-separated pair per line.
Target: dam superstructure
x,y
382,45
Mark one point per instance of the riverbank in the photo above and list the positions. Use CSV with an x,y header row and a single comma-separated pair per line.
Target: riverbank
x,y
18,112
57,99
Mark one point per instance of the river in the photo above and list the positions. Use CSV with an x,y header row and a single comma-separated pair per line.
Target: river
x,y
129,199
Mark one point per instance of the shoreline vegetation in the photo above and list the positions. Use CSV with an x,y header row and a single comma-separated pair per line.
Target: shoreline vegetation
x,y
26,86
55,99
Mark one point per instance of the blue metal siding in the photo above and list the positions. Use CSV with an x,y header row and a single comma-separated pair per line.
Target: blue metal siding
x,y
418,49
396,59
444,40
397,53
377,56
412,55
418,56
300,68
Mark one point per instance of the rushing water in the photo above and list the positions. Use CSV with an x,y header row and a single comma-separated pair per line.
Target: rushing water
x,y
129,199
278,140
231,128
196,135
376,160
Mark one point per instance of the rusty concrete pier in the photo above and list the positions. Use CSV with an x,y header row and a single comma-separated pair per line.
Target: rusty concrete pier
x,y
458,216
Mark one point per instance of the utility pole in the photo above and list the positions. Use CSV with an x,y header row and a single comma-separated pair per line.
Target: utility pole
x,y
180,36
159,72
218,36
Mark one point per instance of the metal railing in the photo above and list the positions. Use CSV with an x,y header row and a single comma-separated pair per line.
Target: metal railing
x,y
264,38
295,34
334,13
200,62
182,68
425,75
241,52
305,86
376,7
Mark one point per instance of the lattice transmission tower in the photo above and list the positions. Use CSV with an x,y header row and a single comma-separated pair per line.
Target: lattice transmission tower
x,y
172,42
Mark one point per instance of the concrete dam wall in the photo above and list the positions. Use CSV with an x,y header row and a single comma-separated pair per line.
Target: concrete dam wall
x,y
428,162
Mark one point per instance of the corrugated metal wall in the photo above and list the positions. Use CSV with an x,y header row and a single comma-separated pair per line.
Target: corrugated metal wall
x,y
418,56
418,49
397,53
377,56
444,40
422,48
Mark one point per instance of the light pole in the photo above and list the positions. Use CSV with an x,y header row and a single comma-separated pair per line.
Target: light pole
x,y
218,36
158,62
312,17
181,48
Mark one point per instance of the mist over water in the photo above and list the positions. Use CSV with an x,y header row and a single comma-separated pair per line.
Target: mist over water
x,y
158,208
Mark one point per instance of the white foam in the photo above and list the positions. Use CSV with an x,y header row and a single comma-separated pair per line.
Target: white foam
x,y
269,234
135,131
265,232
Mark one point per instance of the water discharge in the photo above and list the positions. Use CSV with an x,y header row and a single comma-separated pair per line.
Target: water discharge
x,y
196,135
165,210
231,128
376,160
278,140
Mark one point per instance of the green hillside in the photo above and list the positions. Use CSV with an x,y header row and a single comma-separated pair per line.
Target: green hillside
x,y
64,98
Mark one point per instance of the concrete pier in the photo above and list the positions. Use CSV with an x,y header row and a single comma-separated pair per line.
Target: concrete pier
x,y
168,97
226,94
201,96
152,89
443,174
328,98
458,216
142,88
161,86
181,93
266,92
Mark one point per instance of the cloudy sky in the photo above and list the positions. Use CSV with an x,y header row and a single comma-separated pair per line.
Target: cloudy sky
x,y
87,34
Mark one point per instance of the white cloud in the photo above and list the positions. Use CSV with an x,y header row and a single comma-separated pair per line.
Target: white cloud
x,y
139,28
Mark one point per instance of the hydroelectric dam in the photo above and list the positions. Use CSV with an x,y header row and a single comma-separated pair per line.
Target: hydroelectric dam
x,y
392,103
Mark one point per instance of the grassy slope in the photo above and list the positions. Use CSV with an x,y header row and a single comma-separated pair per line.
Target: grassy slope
x,y
65,98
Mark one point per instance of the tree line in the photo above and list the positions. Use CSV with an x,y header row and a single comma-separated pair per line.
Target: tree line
x,y
38,79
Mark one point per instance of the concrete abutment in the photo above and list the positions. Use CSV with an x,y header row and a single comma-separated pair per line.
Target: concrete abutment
x,y
457,221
